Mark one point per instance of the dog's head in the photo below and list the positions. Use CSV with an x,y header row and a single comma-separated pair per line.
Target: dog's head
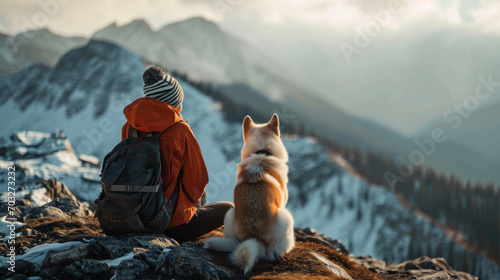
x,y
263,137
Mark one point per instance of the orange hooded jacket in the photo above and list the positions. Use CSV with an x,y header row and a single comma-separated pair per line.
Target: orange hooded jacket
x,y
181,158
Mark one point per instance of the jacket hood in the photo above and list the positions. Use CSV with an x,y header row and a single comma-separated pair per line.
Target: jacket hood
x,y
148,114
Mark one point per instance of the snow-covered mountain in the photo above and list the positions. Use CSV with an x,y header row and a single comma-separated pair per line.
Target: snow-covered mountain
x,y
201,49
198,47
34,46
84,94
94,81
241,72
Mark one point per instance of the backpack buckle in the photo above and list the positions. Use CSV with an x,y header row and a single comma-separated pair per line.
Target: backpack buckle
x,y
105,186
129,188
154,222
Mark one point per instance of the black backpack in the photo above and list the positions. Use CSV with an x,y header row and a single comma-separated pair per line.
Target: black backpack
x,y
131,200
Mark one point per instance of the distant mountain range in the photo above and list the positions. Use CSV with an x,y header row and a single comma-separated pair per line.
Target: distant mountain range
x,y
204,52
34,46
479,130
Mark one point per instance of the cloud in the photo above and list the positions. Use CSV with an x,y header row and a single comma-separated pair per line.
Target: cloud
x,y
487,18
346,14
83,18
4,22
370,6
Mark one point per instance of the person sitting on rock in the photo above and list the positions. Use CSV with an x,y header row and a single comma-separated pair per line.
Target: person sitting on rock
x,y
181,158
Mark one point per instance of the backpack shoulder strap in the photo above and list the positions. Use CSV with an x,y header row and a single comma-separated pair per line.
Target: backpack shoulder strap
x,y
132,132
156,134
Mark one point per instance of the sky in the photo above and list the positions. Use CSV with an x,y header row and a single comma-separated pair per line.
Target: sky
x,y
71,17
400,63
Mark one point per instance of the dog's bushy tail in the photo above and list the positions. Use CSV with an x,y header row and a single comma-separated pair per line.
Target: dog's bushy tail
x,y
247,254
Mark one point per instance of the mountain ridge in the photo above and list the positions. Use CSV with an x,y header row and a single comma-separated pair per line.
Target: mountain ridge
x,y
472,130
34,46
211,49
209,53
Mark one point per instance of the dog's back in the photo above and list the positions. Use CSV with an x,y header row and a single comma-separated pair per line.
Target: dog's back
x,y
259,226
256,207
257,197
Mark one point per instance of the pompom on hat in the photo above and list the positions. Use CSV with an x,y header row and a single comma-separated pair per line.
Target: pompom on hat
x,y
159,85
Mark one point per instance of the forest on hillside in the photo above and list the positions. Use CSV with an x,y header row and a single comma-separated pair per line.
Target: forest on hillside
x,y
471,209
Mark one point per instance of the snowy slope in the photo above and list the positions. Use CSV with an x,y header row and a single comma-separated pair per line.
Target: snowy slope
x,y
41,156
95,81
83,95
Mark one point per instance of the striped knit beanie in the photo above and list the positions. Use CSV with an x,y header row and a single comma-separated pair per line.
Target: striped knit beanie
x,y
161,86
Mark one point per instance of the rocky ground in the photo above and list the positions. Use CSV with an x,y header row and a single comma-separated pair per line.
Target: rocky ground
x,y
62,240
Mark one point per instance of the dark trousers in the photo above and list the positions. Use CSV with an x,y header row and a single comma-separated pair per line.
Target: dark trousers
x,y
207,218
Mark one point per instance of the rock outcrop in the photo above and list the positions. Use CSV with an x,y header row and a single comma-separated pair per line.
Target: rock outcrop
x,y
423,268
62,240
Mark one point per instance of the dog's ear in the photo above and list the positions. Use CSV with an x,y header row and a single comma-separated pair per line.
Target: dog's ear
x,y
247,125
274,124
